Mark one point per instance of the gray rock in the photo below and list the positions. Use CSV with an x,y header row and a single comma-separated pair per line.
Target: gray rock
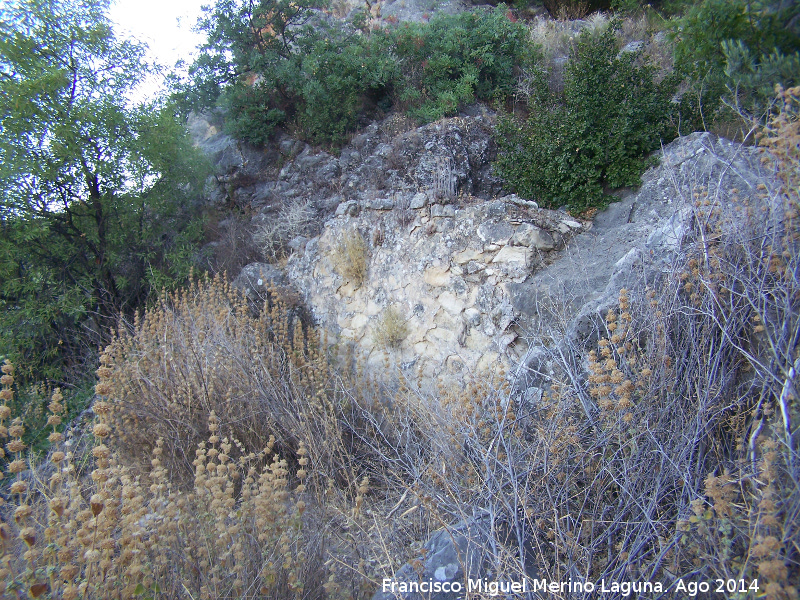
x,y
635,240
349,208
533,237
631,47
455,554
255,278
495,233
379,204
450,555
439,210
298,243
514,199
419,200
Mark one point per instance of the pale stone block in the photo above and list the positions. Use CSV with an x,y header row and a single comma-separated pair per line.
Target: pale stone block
x,y
359,322
487,361
513,254
451,303
463,257
372,308
440,334
437,276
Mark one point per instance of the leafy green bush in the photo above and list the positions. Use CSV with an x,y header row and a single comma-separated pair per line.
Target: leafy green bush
x,y
595,134
327,78
341,75
709,41
454,59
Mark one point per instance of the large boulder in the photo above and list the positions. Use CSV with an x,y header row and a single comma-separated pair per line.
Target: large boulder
x,y
634,241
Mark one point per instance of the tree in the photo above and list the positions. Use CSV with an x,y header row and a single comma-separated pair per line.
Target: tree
x,y
251,62
95,192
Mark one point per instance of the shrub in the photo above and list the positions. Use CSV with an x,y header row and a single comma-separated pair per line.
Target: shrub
x,y
325,79
704,38
274,233
342,78
750,82
202,350
239,530
596,134
391,329
455,59
350,257
574,9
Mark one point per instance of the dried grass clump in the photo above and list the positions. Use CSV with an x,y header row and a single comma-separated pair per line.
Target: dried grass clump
x,y
274,234
350,257
202,350
568,10
391,329
239,531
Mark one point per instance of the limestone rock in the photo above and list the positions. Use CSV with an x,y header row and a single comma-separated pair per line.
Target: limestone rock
x,y
451,555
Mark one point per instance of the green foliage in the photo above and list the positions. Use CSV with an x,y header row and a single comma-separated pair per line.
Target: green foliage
x,y
329,77
454,59
716,39
248,62
95,195
596,134
340,75
750,82
268,67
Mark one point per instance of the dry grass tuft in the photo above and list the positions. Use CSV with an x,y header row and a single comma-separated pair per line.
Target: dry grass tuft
x,y
350,257
391,329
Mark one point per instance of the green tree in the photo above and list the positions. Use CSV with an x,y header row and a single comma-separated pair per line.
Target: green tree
x,y
250,62
96,193
737,50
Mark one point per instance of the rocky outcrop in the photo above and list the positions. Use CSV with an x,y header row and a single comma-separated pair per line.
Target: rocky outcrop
x,y
445,268
480,283
633,243
389,159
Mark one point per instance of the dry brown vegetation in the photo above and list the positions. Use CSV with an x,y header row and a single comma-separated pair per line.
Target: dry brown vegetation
x,y
391,328
350,257
232,458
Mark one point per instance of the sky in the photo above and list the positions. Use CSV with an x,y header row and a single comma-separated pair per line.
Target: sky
x,y
164,25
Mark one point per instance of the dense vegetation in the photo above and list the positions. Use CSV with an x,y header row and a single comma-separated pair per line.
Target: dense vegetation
x,y
96,194
595,133
232,456
269,66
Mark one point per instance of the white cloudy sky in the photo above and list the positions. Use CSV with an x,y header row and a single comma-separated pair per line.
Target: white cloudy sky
x,y
164,25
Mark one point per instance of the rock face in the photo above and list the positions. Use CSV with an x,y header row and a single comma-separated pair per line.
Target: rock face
x,y
480,283
477,280
631,244
445,268
390,161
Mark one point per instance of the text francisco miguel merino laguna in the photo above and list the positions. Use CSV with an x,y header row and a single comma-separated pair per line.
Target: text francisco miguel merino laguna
x,y
495,588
